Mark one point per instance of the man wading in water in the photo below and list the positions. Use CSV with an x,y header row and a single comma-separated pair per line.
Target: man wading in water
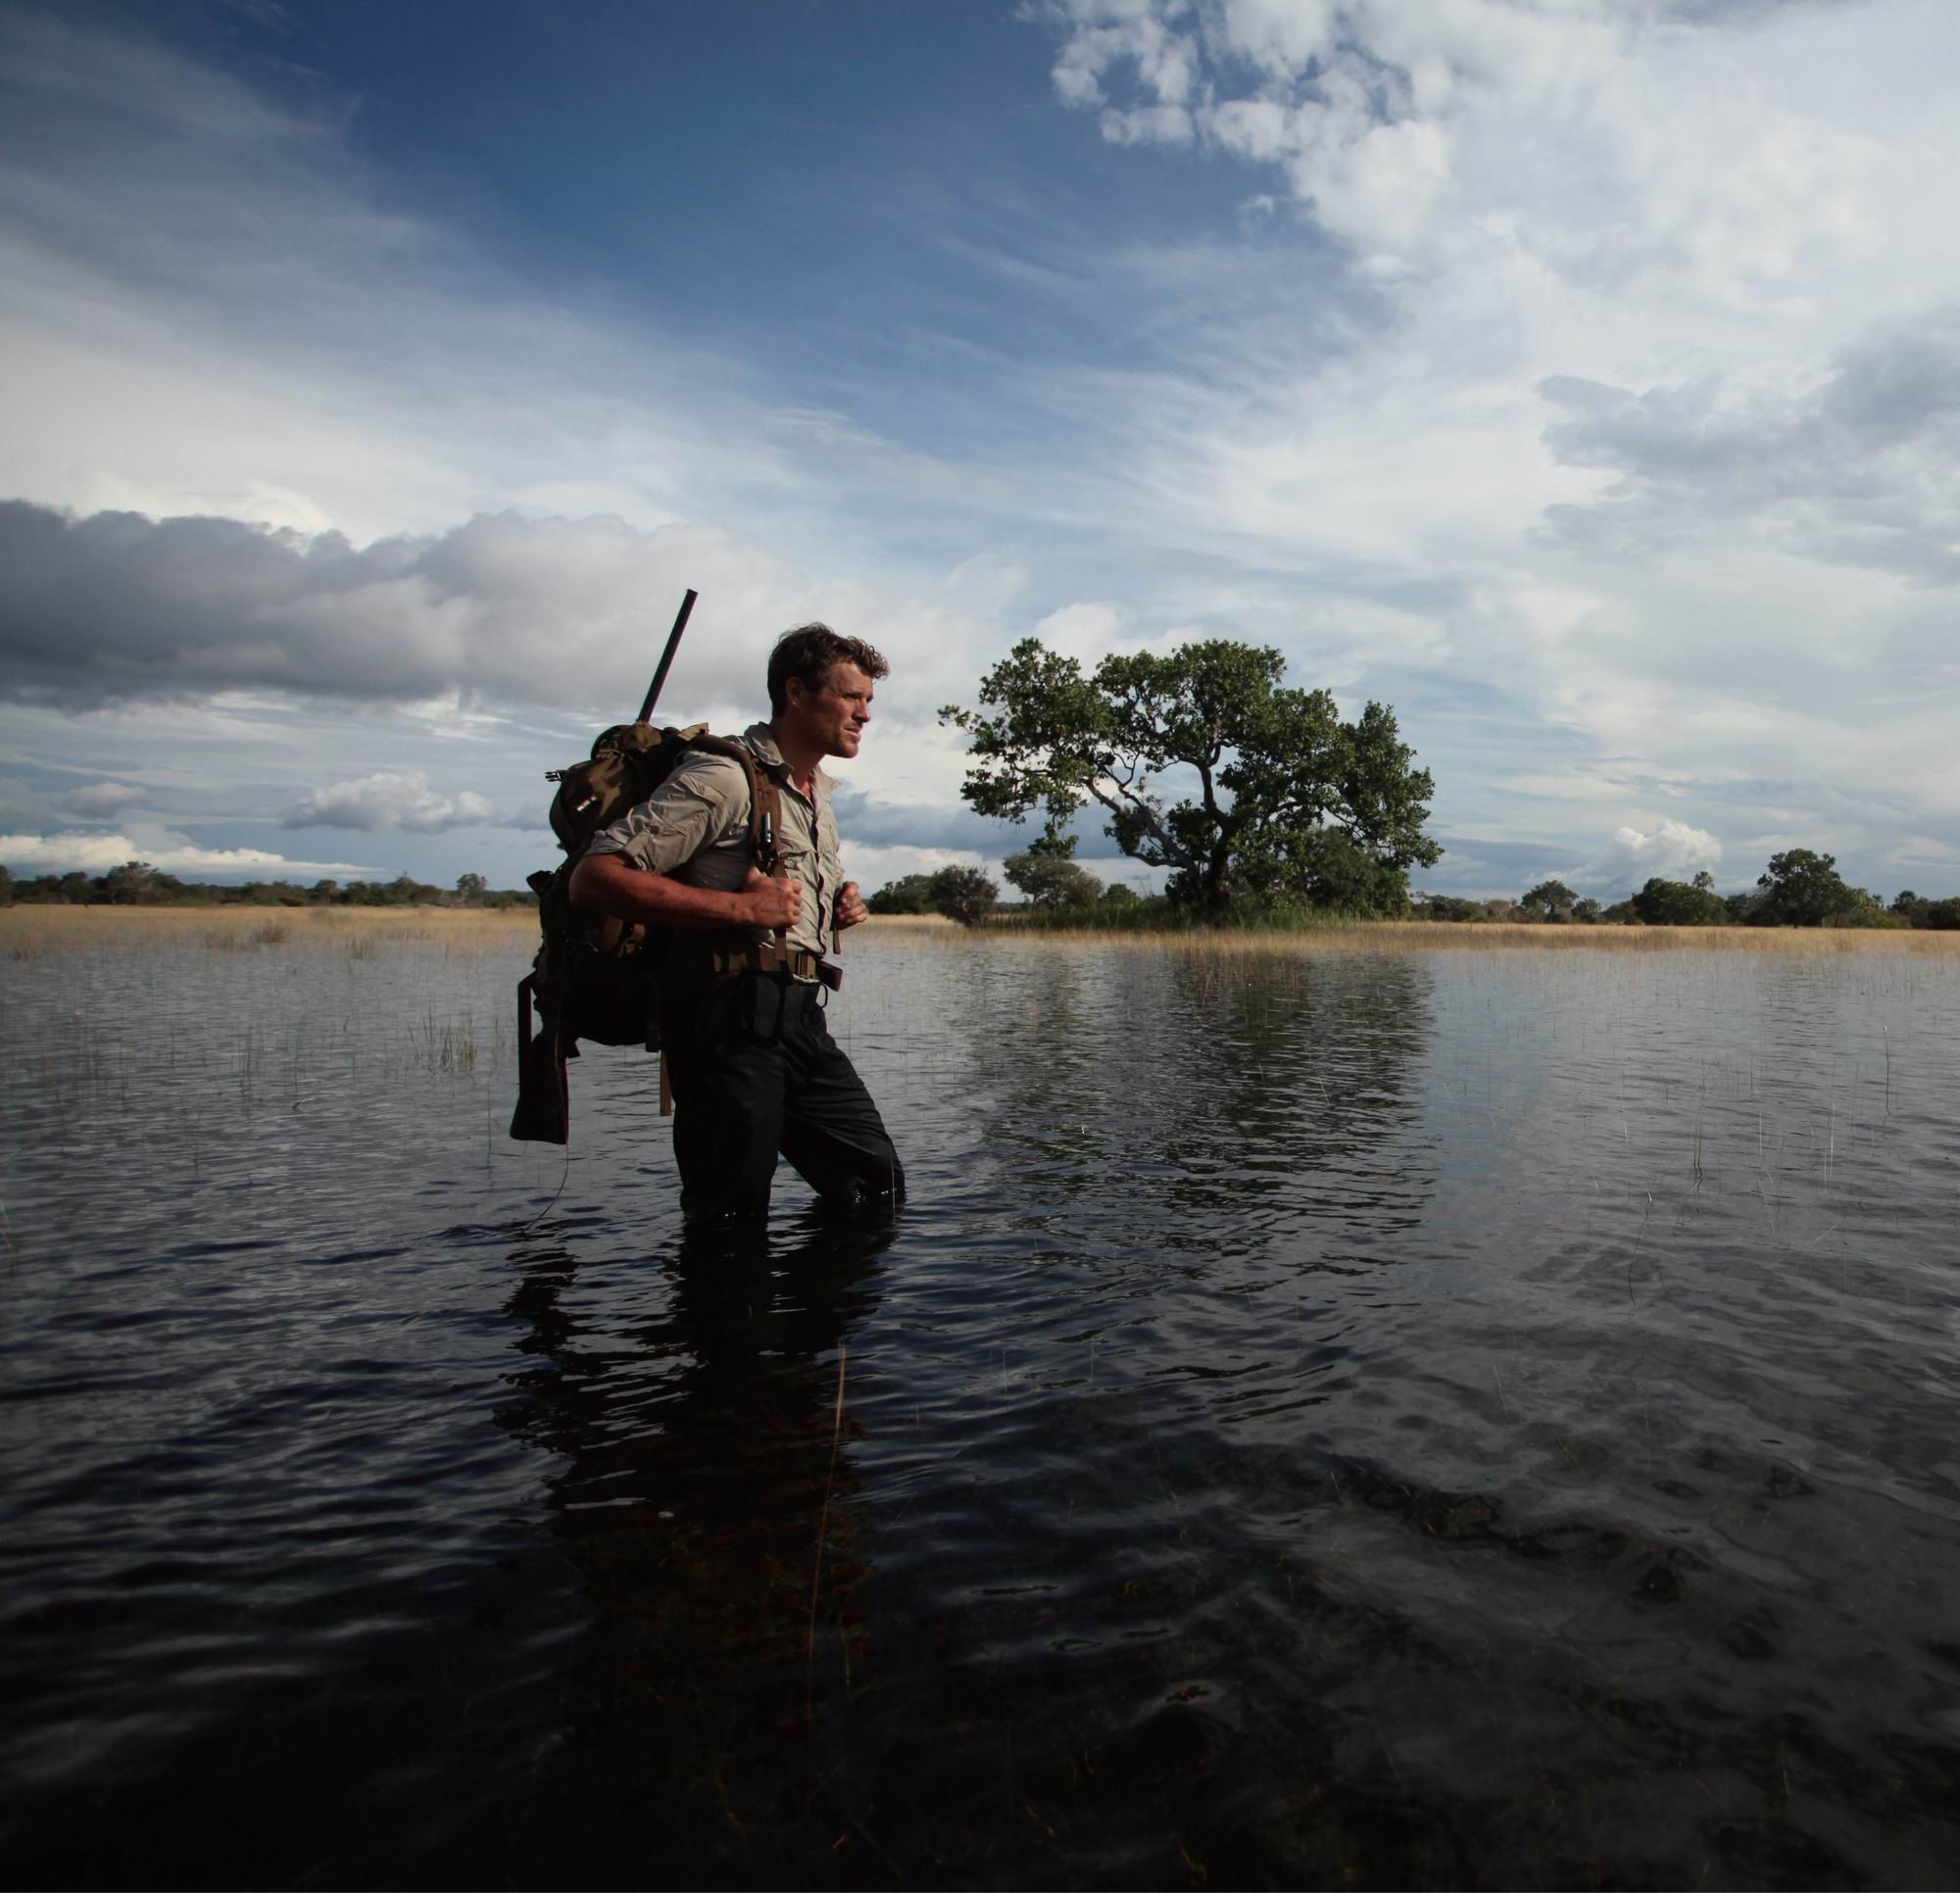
x,y
754,1068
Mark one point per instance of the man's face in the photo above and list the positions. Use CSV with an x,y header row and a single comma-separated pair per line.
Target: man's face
x,y
834,716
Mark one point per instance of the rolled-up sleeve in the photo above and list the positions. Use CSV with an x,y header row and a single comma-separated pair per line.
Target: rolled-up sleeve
x,y
700,807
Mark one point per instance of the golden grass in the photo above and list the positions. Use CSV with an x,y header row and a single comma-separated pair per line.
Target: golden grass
x,y
1430,936
359,931
362,932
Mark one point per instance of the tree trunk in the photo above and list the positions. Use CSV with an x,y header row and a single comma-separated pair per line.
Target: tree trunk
x,y
1218,881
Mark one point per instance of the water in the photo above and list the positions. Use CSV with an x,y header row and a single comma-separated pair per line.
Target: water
x,y
1390,1420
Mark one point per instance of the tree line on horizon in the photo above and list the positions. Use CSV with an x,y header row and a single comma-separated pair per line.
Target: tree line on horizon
x,y
1801,888
138,883
1297,814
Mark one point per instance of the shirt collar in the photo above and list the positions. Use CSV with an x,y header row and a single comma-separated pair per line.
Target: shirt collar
x,y
762,747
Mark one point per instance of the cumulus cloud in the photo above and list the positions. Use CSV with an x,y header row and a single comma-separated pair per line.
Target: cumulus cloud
x,y
380,802
1672,851
1653,419
1613,141
504,610
95,852
118,606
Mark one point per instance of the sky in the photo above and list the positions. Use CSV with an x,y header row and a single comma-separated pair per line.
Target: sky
x,y
1579,377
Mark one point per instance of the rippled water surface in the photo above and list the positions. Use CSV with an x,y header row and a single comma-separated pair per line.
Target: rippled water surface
x,y
1403,1419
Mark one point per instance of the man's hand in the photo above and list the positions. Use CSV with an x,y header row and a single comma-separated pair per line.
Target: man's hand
x,y
770,902
851,907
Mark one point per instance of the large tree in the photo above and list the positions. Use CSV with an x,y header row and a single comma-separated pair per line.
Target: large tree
x,y
1288,798
1803,889
1678,904
1549,900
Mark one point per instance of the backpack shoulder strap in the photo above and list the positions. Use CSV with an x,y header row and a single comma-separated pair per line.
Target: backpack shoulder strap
x,y
765,799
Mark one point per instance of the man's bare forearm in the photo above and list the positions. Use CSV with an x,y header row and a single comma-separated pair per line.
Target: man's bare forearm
x,y
610,884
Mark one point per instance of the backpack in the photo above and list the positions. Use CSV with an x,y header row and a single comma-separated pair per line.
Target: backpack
x,y
597,976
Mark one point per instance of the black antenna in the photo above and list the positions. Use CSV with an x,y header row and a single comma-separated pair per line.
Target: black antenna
x,y
667,657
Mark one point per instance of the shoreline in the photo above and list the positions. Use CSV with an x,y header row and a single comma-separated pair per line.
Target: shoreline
x,y
32,928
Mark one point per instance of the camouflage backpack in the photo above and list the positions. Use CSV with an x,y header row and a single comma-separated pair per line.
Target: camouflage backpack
x,y
597,976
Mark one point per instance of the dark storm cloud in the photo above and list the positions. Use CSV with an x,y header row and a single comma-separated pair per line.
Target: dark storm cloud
x,y
102,801
116,607
22,806
1862,470
870,823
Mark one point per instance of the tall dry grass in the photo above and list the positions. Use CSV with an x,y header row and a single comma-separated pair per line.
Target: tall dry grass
x,y
1430,936
363,932
359,933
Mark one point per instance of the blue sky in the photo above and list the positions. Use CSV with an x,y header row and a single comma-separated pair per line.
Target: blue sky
x,y
1582,379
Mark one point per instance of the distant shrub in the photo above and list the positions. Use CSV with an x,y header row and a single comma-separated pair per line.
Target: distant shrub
x,y
1446,906
909,893
964,895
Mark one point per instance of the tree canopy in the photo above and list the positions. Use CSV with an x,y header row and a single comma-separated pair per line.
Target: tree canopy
x,y
1549,900
962,894
1290,800
909,893
1803,889
1678,904
1047,875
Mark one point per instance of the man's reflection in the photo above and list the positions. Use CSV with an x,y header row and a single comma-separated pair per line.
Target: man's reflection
x,y
704,1455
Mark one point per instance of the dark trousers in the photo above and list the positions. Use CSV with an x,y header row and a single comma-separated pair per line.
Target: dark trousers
x,y
755,1071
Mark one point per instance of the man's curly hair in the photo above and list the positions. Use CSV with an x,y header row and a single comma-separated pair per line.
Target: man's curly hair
x,y
807,653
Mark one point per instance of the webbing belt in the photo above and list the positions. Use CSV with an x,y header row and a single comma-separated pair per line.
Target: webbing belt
x,y
731,962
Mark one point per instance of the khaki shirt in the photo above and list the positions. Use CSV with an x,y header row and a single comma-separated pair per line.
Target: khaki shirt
x,y
695,827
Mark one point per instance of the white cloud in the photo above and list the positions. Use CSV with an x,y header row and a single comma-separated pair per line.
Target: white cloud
x,y
1672,851
380,802
1087,631
94,853
1655,399
871,866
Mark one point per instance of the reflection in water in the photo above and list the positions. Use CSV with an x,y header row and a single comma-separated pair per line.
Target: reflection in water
x,y
1214,1106
705,1496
